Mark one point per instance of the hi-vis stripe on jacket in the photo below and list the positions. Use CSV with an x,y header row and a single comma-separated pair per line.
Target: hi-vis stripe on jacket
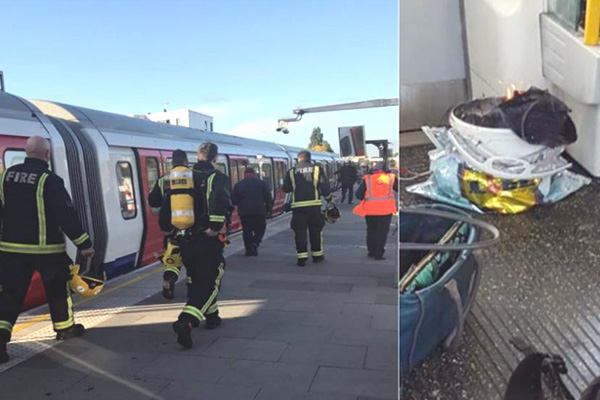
x,y
307,183
35,210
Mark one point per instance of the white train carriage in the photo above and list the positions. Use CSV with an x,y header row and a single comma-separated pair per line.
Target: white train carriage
x,y
110,162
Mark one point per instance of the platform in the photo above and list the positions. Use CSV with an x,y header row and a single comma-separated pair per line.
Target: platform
x,y
541,283
324,331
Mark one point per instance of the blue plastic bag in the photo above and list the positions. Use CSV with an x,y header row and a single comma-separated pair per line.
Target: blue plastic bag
x,y
434,316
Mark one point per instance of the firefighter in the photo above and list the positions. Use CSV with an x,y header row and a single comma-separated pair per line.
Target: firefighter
x,y
377,206
35,210
307,183
254,201
203,243
171,257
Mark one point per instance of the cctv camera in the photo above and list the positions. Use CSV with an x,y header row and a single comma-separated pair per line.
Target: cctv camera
x,y
285,130
279,129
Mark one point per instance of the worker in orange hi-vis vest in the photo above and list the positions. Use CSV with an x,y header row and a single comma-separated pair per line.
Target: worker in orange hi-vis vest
x,y
377,206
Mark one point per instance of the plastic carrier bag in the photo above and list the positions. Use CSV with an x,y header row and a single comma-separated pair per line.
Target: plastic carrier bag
x,y
434,304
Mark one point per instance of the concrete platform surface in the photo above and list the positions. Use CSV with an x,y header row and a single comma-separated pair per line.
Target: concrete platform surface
x,y
324,331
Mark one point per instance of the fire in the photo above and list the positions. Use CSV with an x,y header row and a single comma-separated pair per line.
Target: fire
x,y
510,92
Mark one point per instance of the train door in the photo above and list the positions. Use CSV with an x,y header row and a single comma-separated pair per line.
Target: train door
x,y
280,167
124,202
222,165
166,161
254,163
263,169
149,165
266,173
237,165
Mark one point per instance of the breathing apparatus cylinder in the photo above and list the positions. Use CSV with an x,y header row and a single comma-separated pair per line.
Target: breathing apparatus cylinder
x,y
182,197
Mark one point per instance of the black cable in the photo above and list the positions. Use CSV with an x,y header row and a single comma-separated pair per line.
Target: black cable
x,y
454,215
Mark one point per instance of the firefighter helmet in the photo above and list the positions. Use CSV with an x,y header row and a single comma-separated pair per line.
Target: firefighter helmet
x,y
331,213
172,256
86,285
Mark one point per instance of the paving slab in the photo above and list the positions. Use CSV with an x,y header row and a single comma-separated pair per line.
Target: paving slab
x,y
269,374
382,384
294,394
190,390
246,349
181,366
380,358
295,334
101,387
361,336
325,354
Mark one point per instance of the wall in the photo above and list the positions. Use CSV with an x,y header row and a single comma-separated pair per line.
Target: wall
x,y
200,121
432,61
504,45
188,118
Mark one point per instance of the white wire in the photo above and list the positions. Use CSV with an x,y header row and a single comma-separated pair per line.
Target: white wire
x,y
414,177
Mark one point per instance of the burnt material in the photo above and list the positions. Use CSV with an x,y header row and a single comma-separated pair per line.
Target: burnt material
x,y
481,112
535,116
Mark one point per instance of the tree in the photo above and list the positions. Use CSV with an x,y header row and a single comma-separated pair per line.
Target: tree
x,y
317,143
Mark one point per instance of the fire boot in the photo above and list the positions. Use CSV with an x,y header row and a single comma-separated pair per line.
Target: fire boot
x,y
183,329
3,353
213,320
168,291
70,333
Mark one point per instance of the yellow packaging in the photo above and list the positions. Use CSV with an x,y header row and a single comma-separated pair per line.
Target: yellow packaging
x,y
503,196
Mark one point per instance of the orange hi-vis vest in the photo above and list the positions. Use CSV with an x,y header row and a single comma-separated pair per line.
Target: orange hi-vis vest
x,y
379,195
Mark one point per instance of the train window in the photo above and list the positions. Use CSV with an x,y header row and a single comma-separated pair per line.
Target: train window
x,y
126,193
256,169
279,174
151,172
13,157
169,164
221,167
241,170
234,172
266,174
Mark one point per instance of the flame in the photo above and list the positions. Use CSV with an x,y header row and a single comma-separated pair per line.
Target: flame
x,y
510,91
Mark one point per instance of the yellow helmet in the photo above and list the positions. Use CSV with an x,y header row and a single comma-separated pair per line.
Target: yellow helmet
x,y
86,285
172,256
331,213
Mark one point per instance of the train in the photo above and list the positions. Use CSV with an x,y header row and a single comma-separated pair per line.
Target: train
x,y
110,163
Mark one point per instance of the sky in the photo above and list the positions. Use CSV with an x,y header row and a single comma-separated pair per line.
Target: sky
x,y
247,63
